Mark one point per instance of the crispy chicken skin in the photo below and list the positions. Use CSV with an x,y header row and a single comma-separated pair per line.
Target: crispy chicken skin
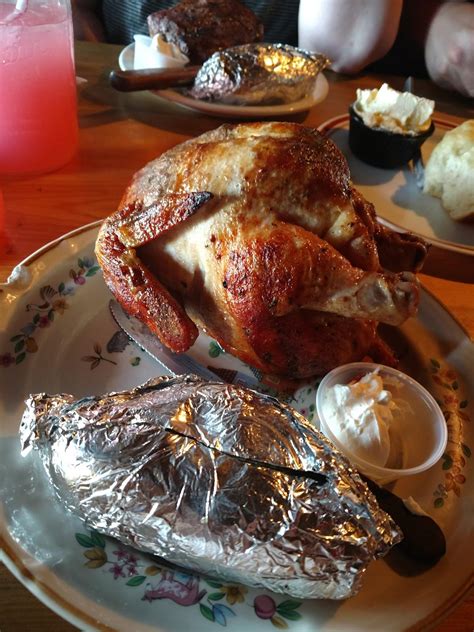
x,y
255,234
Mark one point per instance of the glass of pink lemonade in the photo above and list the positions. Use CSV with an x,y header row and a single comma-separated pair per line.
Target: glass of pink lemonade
x,y
38,102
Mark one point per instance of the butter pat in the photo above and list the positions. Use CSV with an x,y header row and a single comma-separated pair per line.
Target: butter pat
x,y
393,111
157,53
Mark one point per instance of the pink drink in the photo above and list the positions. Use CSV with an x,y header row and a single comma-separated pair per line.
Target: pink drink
x,y
38,108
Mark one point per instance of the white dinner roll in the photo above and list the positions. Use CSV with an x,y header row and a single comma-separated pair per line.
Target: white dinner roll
x,y
449,172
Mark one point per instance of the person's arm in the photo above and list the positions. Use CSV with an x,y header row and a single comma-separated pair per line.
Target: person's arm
x,y
352,33
449,49
86,22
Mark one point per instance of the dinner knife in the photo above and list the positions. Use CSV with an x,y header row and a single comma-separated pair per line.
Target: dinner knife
x,y
152,78
176,363
417,160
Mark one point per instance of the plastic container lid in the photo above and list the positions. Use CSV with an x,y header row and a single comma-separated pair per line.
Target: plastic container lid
x,y
422,428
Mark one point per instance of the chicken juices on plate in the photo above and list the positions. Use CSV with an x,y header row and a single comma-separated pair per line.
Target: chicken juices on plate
x,y
255,234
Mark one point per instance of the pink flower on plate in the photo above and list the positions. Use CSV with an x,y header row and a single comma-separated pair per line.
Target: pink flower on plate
x,y
264,606
77,278
44,322
6,360
117,570
121,554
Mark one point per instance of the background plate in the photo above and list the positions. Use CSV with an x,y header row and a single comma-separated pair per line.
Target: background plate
x,y
399,202
233,111
57,335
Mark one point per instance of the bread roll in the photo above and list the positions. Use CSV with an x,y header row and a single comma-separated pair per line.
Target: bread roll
x,y
449,172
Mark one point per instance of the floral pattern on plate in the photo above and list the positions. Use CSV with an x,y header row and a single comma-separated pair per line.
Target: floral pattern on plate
x,y
50,303
162,582
453,404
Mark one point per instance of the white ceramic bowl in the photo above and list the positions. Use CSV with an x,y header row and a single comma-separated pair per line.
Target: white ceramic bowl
x,y
423,431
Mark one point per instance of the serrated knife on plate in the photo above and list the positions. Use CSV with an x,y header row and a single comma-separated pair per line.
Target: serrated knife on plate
x,y
175,363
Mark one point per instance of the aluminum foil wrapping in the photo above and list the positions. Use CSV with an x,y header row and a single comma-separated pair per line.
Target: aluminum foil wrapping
x,y
214,478
258,74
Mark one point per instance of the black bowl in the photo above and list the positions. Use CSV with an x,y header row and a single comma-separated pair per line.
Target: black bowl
x,y
382,148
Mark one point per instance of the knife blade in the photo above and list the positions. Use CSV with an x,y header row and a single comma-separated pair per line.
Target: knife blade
x,y
175,363
418,167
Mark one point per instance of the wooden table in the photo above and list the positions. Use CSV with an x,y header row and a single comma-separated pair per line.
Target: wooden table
x,y
119,134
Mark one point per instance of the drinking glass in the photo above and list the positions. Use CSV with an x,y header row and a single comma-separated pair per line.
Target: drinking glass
x,y
38,102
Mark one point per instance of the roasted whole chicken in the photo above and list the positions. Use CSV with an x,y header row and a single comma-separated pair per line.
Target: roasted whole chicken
x,y
255,234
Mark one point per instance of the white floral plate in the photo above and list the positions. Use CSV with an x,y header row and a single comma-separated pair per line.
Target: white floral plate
x,y
399,202
56,335
320,92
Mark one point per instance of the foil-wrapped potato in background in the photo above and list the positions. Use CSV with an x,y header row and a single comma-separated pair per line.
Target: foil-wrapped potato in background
x,y
215,478
261,74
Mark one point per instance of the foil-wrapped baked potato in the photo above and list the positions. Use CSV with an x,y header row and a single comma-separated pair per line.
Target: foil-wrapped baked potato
x,y
215,478
258,74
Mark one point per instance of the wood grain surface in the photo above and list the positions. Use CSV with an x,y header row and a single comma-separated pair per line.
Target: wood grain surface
x,y
119,133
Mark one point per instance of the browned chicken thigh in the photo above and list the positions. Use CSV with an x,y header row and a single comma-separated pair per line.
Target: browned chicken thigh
x,y
255,234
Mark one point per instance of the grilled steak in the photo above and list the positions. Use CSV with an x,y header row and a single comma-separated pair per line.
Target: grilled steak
x,y
201,27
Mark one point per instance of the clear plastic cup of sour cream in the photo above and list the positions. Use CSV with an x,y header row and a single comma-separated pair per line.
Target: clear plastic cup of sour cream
x,y
359,424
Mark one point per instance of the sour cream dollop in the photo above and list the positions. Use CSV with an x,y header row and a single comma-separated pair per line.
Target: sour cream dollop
x,y
362,417
399,112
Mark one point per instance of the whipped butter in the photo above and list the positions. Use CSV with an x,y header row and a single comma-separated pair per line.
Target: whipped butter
x,y
362,417
393,111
